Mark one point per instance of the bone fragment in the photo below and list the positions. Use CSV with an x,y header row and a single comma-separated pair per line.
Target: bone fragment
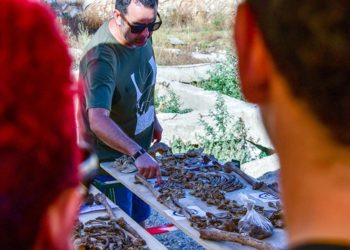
x,y
216,234
140,179
253,182
123,224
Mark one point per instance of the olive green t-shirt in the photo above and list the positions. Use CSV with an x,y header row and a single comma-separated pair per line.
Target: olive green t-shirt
x,y
122,80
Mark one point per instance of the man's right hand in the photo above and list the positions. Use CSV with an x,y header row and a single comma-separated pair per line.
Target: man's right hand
x,y
148,167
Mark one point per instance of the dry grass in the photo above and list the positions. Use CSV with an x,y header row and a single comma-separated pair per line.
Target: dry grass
x,y
77,42
205,41
169,58
202,33
78,39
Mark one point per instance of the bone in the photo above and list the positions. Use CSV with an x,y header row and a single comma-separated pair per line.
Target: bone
x,y
136,239
216,234
123,224
160,148
140,179
253,182
101,198
168,200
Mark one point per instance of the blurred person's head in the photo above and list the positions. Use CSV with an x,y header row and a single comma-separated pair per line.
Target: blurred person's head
x,y
294,62
308,44
39,193
136,20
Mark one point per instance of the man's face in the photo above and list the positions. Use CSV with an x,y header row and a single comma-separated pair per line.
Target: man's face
x,y
137,14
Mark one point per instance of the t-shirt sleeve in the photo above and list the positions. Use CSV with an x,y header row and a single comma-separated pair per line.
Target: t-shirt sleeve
x,y
100,81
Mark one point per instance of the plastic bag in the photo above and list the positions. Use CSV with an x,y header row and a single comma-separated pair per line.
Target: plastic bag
x,y
253,223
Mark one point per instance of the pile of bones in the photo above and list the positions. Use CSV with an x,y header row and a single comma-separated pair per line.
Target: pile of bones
x,y
209,180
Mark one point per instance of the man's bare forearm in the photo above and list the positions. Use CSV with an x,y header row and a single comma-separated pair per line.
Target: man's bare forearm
x,y
110,133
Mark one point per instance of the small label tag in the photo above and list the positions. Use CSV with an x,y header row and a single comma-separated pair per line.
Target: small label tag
x,y
87,209
264,196
197,211
176,216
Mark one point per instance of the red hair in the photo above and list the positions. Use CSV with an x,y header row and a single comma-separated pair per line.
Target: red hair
x,y
38,152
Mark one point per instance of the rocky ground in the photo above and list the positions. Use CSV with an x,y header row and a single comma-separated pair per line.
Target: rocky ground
x,y
174,240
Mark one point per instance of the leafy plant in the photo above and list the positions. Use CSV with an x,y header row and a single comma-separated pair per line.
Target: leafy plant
x,y
179,146
224,79
170,104
225,137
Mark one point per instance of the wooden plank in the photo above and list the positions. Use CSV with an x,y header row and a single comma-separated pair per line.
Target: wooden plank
x,y
278,239
152,243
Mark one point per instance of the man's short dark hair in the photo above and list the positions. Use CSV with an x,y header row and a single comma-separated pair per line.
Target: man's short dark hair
x,y
310,45
122,5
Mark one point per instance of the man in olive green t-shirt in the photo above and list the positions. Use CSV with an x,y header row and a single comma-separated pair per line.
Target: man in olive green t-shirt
x,y
119,71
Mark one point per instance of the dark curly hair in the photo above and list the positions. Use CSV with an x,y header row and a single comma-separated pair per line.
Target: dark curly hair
x,y
38,152
122,5
310,44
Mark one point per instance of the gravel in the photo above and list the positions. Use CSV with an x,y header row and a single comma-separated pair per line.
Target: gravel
x,y
174,240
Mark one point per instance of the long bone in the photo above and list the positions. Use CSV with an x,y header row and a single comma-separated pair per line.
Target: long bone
x,y
140,179
253,182
216,234
135,239
169,200
123,224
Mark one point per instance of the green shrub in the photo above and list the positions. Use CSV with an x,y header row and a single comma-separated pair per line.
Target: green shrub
x,y
224,79
169,104
225,137
179,146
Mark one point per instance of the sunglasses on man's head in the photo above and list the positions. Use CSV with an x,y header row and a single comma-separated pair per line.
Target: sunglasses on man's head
x,y
138,28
